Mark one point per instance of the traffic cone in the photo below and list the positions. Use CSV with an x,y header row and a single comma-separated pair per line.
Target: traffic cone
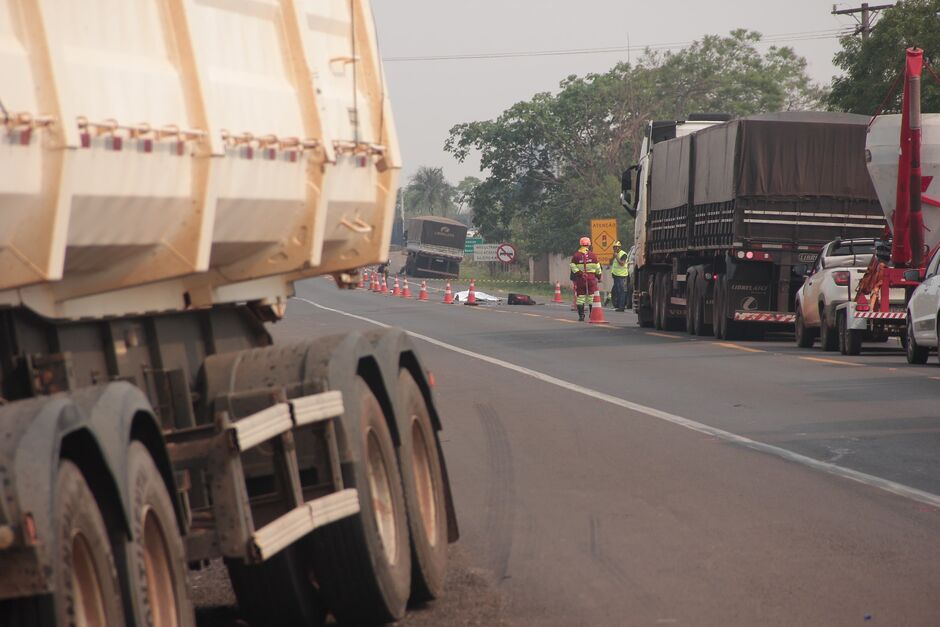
x,y
557,298
423,294
361,282
448,295
375,282
383,286
597,311
574,297
396,291
471,295
406,293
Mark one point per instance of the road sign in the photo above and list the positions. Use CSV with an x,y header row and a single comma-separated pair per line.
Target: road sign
x,y
470,243
506,253
603,236
485,252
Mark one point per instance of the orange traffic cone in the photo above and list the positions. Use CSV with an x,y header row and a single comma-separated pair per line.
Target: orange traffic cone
x,y
448,295
597,310
396,291
557,298
471,295
423,294
574,297
406,293
361,282
375,282
383,286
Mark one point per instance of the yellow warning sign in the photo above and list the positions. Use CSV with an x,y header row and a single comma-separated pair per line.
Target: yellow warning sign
x,y
603,236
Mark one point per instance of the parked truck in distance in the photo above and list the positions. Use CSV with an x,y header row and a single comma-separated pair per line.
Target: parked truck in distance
x,y
163,184
725,210
434,247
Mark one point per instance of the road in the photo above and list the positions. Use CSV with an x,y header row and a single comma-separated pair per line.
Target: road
x,y
612,475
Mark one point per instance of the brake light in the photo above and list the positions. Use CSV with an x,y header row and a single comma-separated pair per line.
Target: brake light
x,y
749,254
861,304
841,277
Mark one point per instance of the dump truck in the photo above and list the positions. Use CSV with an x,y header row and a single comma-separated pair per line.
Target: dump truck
x,y
727,214
168,170
434,247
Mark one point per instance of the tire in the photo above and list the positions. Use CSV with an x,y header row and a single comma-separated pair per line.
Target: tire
x,y
828,335
915,354
156,560
423,481
804,338
850,342
717,310
278,591
363,563
86,581
657,302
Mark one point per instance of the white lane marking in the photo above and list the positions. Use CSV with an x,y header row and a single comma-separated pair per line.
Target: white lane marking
x,y
886,485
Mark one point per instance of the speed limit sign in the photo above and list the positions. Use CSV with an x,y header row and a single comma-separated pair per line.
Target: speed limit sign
x,y
506,253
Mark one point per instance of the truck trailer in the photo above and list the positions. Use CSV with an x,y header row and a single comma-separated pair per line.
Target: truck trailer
x,y
168,170
434,247
726,213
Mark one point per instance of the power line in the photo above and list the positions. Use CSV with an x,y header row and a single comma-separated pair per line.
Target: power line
x,y
776,38
865,24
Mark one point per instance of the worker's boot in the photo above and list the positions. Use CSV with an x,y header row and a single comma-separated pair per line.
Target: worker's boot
x,y
580,313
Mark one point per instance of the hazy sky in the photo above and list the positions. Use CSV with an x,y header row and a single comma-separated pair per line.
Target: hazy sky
x,y
429,97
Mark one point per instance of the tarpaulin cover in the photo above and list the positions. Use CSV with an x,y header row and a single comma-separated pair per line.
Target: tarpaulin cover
x,y
437,232
802,154
670,173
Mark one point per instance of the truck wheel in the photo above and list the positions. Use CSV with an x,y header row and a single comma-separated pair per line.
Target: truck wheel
x,y
86,583
915,354
644,317
423,481
717,310
657,302
804,337
850,341
828,334
156,561
278,591
363,563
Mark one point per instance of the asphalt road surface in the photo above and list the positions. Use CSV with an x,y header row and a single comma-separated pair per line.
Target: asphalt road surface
x,y
612,475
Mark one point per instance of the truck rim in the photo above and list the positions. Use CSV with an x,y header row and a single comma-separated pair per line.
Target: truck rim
x,y
161,584
424,481
88,596
382,506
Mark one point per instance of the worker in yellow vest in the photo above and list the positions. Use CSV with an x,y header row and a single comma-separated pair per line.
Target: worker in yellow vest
x,y
620,271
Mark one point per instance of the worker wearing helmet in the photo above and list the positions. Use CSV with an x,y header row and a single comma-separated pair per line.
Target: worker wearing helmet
x,y
585,273
620,271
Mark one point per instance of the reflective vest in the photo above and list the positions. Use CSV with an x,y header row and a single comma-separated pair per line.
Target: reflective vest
x,y
616,269
585,261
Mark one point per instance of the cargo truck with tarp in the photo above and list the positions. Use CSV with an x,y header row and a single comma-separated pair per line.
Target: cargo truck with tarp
x,y
168,170
728,215
434,247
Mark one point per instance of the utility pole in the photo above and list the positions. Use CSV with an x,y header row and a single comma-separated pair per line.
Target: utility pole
x,y
865,24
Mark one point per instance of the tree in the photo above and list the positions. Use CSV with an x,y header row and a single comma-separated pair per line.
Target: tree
x,y
429,193
872,65
554,161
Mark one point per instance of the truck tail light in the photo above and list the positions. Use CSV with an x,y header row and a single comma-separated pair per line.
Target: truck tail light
x,y
862,303
841,277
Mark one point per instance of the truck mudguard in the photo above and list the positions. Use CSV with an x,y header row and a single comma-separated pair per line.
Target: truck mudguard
x,y
93,426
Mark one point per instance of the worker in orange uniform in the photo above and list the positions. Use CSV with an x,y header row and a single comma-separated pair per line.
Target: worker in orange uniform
x,y
585,272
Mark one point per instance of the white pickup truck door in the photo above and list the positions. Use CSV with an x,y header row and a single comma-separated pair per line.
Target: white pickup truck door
x,y
811,293
924,305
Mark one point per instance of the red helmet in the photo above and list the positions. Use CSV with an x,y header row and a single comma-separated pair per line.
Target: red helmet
x,y
585,241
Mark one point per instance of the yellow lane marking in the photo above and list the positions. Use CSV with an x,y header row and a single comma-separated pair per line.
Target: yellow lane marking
x,y
832,361
738,347
532,315
671,337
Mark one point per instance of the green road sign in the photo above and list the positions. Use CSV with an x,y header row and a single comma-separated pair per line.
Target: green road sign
x,y
470,243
